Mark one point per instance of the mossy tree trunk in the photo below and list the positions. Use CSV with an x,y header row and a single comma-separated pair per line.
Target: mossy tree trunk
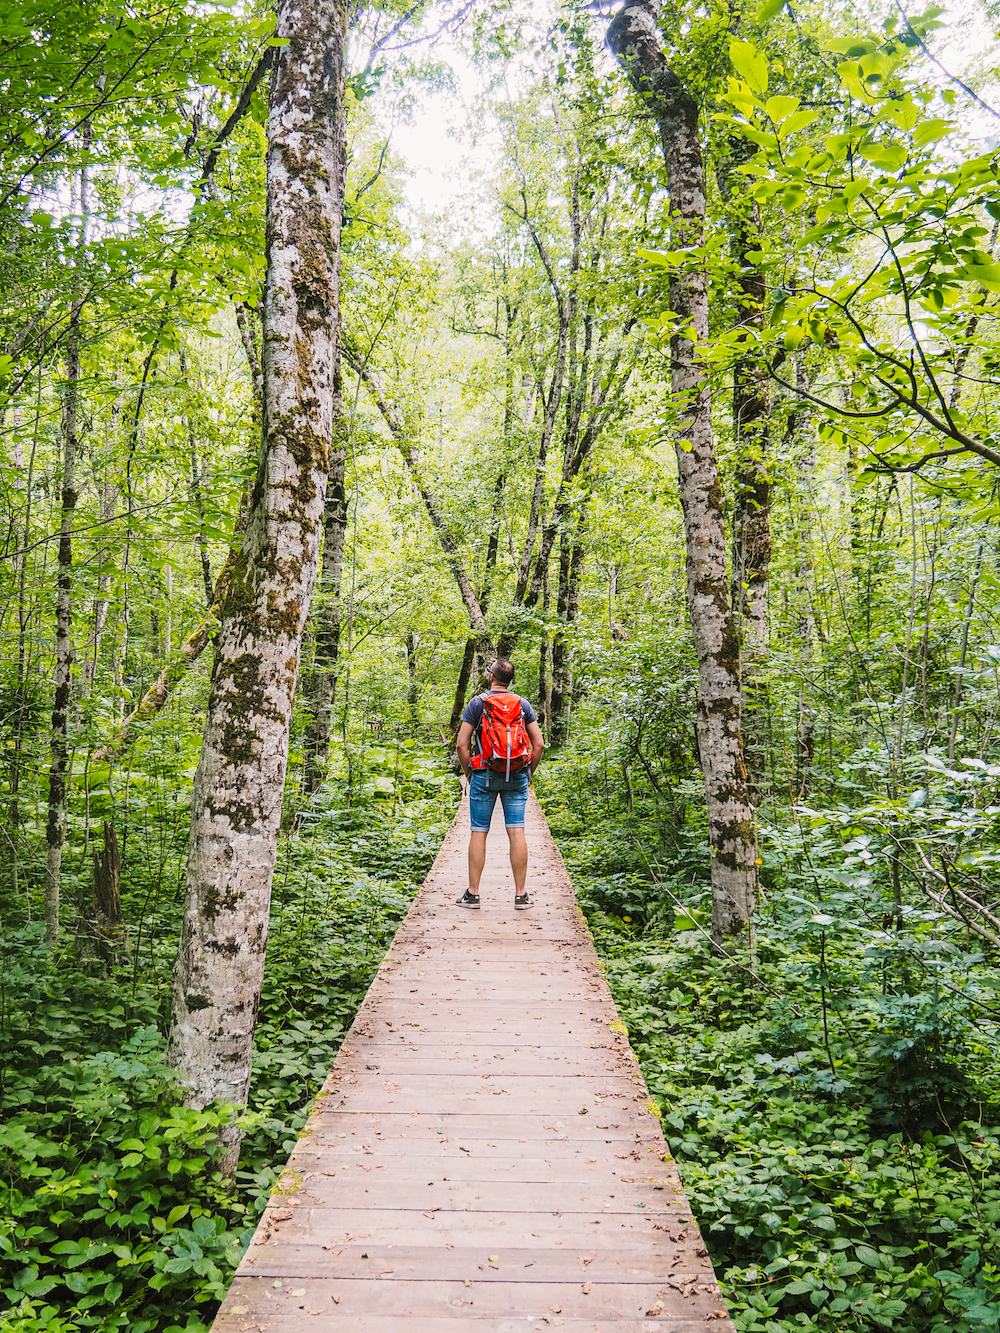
x,y
237,796
634,38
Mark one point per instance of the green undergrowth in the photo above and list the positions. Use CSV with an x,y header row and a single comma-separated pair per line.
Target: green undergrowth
x,y
112,1212
834,1116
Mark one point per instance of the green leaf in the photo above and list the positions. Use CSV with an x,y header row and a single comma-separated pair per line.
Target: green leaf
x,y
770,9
750,64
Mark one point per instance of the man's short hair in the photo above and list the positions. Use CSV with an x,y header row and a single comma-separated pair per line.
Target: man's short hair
x,y
502,670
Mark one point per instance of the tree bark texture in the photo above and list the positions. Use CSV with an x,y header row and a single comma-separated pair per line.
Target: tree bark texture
x,y
55,827
237,796
634,38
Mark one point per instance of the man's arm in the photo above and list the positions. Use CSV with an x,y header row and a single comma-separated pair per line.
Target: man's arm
x,y
537,744
462,745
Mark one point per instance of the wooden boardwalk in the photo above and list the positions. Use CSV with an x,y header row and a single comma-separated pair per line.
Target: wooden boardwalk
x,y
484,1154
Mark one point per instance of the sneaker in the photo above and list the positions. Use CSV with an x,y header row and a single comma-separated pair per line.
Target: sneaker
x,y
468,900
522,902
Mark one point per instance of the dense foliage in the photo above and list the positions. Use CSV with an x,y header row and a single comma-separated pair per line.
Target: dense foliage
x,y
829,1081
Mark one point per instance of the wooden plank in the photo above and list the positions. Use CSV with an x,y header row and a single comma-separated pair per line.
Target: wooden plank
x,y
484,1155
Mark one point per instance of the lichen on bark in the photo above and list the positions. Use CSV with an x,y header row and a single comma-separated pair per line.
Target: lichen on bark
x,y
633,36
238,788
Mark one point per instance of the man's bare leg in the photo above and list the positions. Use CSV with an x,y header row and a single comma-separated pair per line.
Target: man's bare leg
x,y
477,858
518,858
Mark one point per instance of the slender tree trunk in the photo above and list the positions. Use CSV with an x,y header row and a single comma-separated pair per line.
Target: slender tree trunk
x,y
237,797
55,830
544,658
462,686
557,720
751,511
634,39
412,689
320,686
802,432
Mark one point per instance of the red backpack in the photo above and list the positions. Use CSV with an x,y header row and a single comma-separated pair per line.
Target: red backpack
x,y
503,740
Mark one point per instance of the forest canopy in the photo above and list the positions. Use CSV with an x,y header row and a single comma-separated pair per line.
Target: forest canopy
x,y
678,385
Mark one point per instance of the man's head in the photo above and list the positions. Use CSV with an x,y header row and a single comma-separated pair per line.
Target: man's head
x,y
501,672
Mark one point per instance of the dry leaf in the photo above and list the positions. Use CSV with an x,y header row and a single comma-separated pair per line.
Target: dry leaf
x,y
383,1271
297,1291
467,1282
591,1159
556,1309
628,1180
340,1251
335,1299
586,1288
245,1328
656,1309
239,1309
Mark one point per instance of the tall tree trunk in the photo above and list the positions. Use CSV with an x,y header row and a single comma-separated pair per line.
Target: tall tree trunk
x,y
55,827
751,511
544,659
320,686
238,788
802,432
412,686
571,557
462,686
634,39
557,719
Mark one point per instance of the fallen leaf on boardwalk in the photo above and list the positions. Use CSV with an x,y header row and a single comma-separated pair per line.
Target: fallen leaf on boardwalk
x,y
556,1309
245,1328
467,1282
656,1309
240,1309
586,1288
313,1313
362,1166
430,1215
583,1111
335,1299
492,1258
715,1314
629,1180
297,1291
340,1251
591,1159
383,1271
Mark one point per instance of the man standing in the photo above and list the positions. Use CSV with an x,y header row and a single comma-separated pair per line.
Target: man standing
x,y
508,749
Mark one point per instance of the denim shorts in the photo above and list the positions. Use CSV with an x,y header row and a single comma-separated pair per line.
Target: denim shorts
x,y
485,787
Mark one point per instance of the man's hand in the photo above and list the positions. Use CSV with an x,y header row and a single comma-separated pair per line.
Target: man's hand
x,y
537,745
462,746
